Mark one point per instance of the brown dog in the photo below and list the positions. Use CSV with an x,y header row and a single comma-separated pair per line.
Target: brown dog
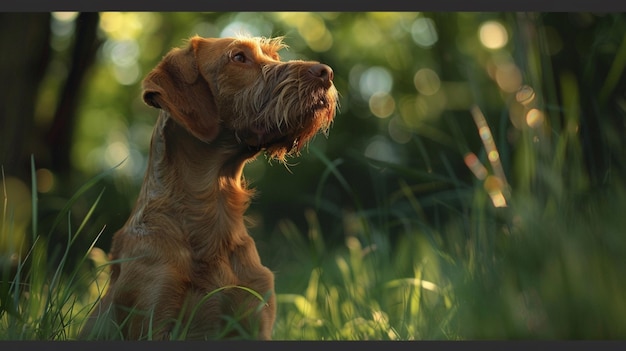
x,y
223,101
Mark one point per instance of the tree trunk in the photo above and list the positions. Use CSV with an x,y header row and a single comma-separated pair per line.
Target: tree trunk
x,y
60,136
25,39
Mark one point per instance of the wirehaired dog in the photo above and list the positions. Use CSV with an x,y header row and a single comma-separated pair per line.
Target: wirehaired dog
x,y
184,265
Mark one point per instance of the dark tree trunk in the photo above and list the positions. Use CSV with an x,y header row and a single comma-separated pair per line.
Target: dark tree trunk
x,y
60,135
24,60
25,43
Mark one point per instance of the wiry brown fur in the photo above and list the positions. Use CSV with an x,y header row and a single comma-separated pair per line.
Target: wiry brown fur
x,y
186,235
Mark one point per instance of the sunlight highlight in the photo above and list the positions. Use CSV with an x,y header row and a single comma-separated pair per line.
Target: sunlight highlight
x,y
534,118
474,164
493,35
121,25
62,25
65,16
496,185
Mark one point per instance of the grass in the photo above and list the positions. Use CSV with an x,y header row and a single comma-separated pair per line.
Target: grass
x,y
547,265
540,259
39,302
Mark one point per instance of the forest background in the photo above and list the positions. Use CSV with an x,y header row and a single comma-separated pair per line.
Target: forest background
x,y
471,186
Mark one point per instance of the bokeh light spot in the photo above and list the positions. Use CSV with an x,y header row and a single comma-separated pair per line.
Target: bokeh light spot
x,y
398,131
116,152
494,187
127,75
121,25
65,16
45,180
124,52
474,164
493,155
534,118
427,81
485,133
238,28
381,149
508,77
375,80
493,35
525,95
424,32
313,29
382,104
63,23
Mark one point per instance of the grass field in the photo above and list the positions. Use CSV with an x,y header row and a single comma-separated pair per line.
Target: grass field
x,y
542,258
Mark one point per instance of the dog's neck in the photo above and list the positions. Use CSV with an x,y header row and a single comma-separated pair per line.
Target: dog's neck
x,y
199,186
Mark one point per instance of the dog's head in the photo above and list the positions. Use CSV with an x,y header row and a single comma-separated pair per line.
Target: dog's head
x,y
239,86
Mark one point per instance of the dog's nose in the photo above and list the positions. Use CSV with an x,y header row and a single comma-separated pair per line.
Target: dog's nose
x,y
322,71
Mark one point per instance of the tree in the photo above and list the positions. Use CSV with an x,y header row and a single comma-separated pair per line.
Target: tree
x,y
23,71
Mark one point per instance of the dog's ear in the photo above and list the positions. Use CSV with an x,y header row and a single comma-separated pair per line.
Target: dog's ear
x,y
176,86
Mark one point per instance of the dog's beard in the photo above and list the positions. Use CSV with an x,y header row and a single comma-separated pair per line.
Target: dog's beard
x,y
283,111
278,141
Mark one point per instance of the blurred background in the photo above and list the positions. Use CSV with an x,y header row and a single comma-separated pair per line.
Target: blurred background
x,y
482,153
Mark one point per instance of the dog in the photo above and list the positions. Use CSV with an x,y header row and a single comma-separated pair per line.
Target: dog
x,y
184,265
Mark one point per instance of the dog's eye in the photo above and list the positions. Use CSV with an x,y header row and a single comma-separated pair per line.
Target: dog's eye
x,y
239,57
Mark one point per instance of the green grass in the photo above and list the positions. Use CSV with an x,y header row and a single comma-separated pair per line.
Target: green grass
x,y
39,302
539,258
361,293
548,265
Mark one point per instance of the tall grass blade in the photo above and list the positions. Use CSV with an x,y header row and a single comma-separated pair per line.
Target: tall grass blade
x,y
85,187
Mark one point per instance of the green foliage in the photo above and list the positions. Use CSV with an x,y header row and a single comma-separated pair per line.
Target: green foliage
x,y
362,293
40,302
470,188
547,266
